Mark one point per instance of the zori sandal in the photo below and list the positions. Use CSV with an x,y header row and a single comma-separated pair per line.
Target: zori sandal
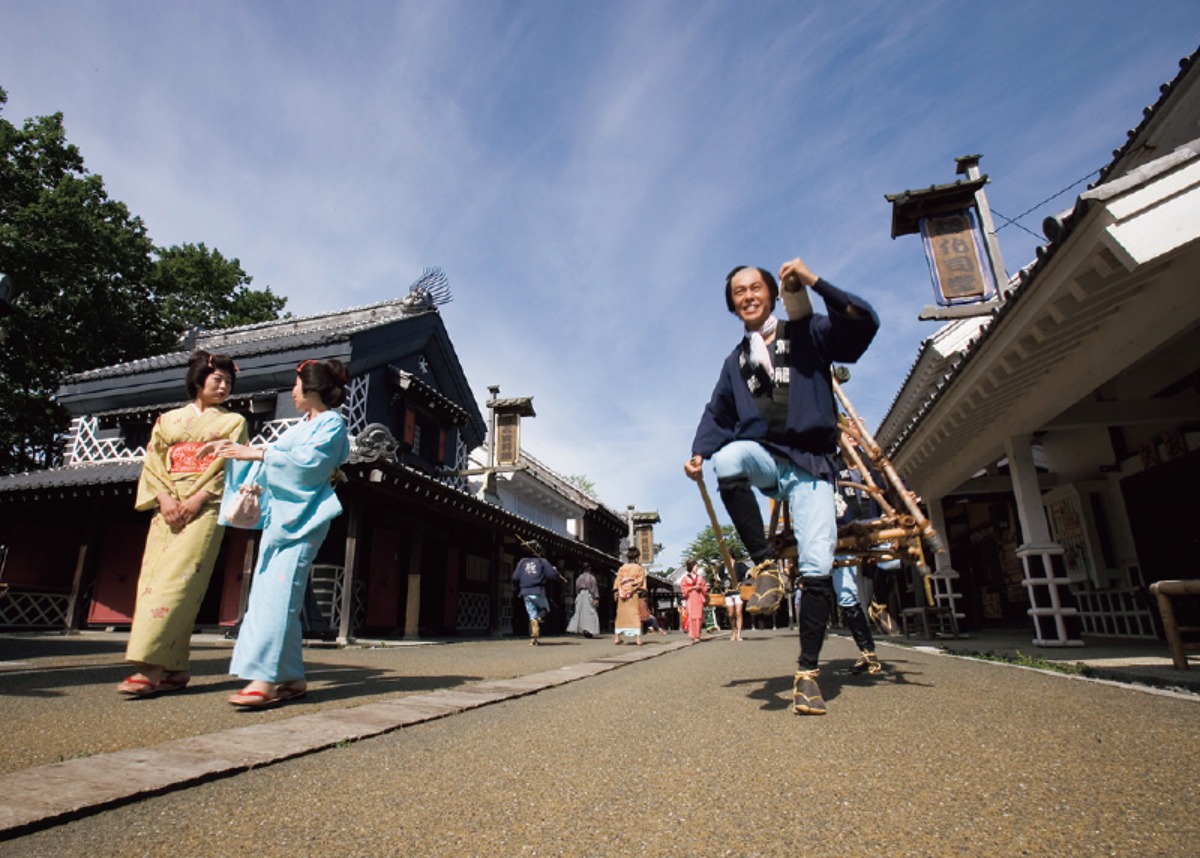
x,y
140,686
255,699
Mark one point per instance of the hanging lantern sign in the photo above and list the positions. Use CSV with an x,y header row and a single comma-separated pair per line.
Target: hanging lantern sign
x,y
958,260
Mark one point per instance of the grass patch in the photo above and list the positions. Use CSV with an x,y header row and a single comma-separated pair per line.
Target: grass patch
x,y
1077,668
80,755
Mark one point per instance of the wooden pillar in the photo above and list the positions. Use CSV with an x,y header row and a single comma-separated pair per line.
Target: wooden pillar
x,y
496,582
349,573
454,562
247,572
412,607
71,620
1035,530
1051,604
944,574
84,575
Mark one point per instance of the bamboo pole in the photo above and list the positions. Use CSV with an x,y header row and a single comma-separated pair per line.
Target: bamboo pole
x,y
885,467
716,527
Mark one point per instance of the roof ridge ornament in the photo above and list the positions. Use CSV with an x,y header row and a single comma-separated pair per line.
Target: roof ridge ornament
x,y
428,292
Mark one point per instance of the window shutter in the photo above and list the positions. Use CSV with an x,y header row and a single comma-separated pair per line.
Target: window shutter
x,y
410,426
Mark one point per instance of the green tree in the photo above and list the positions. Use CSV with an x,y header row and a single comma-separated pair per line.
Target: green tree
x,y
582,483
88,277
705,551
199,288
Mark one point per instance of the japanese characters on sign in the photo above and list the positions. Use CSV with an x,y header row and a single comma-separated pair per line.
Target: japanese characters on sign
x,y
645,544
958,262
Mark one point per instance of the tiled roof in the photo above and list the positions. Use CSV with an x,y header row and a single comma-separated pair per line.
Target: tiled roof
x,y
265,337
61,481
407,380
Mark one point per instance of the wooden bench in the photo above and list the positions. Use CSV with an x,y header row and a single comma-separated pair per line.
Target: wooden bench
x,y
1163,591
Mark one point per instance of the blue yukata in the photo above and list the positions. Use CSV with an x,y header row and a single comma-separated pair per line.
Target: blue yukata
x,y
300,504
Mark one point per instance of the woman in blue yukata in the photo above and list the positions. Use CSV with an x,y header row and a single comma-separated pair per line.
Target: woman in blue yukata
x,y
299,505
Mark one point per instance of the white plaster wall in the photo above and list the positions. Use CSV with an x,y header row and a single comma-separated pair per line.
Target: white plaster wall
x,y
1076,455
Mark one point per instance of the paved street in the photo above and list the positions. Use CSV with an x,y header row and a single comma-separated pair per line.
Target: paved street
x,y
584,748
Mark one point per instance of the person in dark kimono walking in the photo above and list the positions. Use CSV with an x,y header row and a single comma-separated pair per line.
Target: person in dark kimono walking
x,y
530,576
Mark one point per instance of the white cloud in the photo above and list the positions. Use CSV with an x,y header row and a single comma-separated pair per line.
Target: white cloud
x,y
586,173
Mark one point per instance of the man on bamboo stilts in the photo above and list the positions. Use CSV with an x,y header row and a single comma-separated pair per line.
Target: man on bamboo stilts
x,y
771,425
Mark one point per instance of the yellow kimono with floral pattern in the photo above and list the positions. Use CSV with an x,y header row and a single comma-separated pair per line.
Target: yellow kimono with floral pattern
x,y
176,566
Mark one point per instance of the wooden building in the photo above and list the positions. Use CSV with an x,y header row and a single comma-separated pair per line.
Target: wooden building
x,y
417,552
1056,440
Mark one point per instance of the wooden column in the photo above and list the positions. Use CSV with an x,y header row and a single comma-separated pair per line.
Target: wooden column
x,y
454,563
346,614
84,576
71,620
944,575
1051,604
412,607
496,582
247,572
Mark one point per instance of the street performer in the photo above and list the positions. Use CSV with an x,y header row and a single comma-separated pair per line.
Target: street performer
x,y
772,425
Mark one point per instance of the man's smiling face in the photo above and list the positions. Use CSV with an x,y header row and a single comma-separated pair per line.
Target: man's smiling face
x,y
751,297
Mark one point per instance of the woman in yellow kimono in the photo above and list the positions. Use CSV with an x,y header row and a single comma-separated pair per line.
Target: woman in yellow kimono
x,y
184,490
629,584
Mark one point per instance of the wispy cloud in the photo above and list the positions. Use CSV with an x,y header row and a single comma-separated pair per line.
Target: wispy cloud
x,y
586,172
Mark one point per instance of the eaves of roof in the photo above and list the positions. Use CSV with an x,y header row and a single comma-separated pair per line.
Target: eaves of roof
x,y
264,337
1058,230
556,481
399,477
68,482
113,477
406,380
1059,333
1064,226
1149,115
937,355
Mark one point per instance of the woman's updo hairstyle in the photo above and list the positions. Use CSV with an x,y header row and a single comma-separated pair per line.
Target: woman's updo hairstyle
x,y
326,378
201,365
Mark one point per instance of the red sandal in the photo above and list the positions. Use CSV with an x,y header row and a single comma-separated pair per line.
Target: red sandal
x,y
141,686
255,699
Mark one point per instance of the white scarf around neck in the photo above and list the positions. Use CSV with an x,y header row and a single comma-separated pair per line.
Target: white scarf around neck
x,y
760,355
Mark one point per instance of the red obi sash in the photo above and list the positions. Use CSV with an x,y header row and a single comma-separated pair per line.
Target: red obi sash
x,y
181,458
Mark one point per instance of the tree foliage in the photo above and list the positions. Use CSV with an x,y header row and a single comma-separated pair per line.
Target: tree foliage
x,y
581,482
703,549
199,288
93,291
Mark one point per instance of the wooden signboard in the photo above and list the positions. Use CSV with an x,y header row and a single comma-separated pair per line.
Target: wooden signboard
x,y
958,262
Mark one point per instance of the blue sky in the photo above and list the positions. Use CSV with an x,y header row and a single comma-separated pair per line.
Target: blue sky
x,y
586,172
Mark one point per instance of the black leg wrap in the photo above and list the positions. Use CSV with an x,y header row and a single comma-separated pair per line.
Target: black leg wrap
x,y
860,629
881,584
742,506
815,605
